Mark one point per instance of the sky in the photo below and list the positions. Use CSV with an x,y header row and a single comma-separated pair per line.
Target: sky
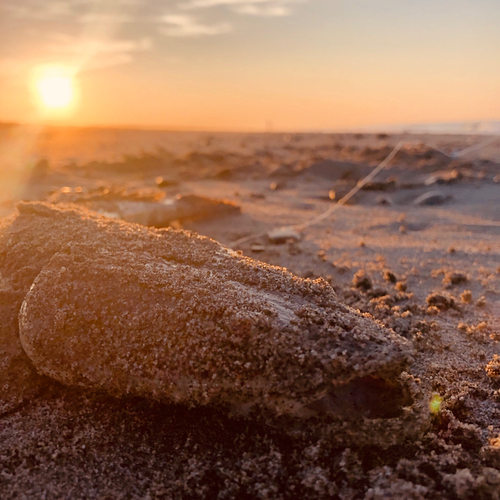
x,y
253,65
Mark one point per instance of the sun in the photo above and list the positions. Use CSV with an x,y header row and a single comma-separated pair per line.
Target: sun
x,y
55,88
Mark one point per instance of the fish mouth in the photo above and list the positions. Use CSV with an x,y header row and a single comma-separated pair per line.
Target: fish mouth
x,y
369,397
368,410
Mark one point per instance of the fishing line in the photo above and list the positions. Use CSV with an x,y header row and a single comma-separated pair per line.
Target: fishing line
x,y
481,145
359,185
337,205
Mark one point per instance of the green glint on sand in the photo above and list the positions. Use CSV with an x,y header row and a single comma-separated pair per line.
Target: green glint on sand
x,y
435,403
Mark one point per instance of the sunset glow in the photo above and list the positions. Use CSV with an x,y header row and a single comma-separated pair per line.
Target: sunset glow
x,y
55,89
250,65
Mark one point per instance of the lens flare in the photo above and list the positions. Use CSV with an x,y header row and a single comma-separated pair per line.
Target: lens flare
x,y
435,404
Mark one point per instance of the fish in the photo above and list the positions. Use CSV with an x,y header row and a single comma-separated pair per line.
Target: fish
x,y
176,317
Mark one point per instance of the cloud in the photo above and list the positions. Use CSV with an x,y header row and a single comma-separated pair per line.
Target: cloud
x,y
69,10
102,33
86,34
186,26
105,18
266,8
70,45
194,4
76,53
263,10
39,11
98,53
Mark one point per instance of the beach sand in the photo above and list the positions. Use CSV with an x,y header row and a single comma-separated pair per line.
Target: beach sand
x,y
428,270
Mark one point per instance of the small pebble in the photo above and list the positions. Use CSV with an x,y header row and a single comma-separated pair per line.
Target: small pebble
x,y
282,235
383,200
431,198
275,186
257,248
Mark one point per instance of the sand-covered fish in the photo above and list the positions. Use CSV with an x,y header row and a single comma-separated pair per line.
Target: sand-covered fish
x,y
179,318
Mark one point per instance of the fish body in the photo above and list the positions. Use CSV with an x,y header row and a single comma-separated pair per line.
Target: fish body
x,y
177,317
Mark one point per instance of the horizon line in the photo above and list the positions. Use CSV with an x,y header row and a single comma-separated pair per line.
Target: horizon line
x,y
400,129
